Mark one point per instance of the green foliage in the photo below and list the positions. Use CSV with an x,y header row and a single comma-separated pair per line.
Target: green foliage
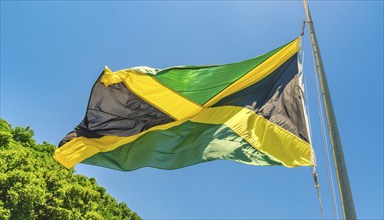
x,y
5,138
34,186
4,126
5,134
24,136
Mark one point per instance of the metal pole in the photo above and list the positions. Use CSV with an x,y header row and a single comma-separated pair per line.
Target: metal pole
x,y
346,199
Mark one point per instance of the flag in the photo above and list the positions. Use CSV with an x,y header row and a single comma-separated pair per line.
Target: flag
x,y
250,112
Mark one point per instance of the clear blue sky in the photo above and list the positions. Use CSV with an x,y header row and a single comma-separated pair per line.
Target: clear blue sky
x,y
52,52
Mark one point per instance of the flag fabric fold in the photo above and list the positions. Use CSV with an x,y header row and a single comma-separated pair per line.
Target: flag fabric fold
x,y
250,112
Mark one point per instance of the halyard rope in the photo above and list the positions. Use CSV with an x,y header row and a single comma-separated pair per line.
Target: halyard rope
x,y
325,146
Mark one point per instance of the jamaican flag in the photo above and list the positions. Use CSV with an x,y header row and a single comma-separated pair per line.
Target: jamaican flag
x,y
250,111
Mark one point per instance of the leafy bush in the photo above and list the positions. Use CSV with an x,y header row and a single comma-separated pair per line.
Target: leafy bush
x,y
34,186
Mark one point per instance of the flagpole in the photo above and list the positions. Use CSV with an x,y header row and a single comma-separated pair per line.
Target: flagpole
x,y
346,199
